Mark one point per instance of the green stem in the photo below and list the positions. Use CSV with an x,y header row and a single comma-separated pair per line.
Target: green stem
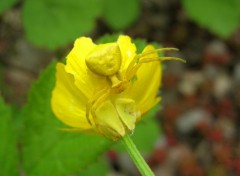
x,y
136,156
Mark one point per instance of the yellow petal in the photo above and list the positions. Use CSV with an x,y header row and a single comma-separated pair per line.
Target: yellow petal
x,y
108,122
145,88
68,103
87,81
128,50
127,112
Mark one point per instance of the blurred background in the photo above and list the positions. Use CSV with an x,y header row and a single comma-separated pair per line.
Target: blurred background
x,y
200,114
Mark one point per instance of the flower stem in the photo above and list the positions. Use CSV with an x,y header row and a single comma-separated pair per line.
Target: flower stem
x,y
136,156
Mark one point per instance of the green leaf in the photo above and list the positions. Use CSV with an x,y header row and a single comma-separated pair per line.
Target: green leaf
x,y
222,17
107,38
146,133
140,43
8,144
120,14
6,4
46,150
54,23
101,168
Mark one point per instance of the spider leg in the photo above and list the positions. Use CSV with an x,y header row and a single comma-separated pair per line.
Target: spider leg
x,y
132,70
97,103
94,100
138,56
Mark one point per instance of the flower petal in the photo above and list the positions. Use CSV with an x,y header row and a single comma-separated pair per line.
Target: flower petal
x,y
144,89
108,122
68,103
87,81
128,50
127,112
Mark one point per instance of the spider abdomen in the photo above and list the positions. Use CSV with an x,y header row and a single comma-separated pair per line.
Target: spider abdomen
x,y
105,59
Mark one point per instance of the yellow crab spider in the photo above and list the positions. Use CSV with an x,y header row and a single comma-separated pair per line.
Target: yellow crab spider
x,y
105,60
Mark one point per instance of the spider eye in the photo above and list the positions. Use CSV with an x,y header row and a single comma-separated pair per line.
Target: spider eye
x,y
105,59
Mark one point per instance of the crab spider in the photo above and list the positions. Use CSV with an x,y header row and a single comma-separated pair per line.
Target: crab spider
x,y
105,60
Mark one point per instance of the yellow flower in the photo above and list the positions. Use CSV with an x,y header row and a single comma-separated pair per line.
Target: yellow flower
x,y
106,88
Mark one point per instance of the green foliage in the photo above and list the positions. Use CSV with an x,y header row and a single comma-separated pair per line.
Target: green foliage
x,y
101,168
47,150
222,17
54,23
147,132
8,145
1,77
140,43
6,4
108,38
120,14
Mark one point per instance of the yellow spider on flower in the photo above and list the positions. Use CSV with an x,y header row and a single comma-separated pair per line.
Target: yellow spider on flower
x,y
106,88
